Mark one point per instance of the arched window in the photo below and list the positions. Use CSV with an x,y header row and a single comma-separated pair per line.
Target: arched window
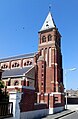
x,y
4,66
43,39
24,82
15,64
49,37
25,64
28,63
9,82
16,83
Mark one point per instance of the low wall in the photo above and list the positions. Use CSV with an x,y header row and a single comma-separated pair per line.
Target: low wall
x,y
55,110
72,100
34,114
27,100
72,106
39,106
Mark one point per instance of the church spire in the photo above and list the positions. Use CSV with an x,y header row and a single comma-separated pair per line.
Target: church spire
x,y
48,23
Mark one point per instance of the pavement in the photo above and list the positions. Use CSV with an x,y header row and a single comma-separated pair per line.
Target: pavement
x,y
8,117
59,115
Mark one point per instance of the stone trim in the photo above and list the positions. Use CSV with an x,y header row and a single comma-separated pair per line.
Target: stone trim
x,y
25,87
57,109
45,94
51,94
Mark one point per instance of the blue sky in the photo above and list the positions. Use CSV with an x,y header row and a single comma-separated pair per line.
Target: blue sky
x,y
20,21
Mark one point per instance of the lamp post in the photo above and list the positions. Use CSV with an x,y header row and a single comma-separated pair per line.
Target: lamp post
x,y
65,73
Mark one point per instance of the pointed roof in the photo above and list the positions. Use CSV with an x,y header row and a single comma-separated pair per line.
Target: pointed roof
x,y
49,23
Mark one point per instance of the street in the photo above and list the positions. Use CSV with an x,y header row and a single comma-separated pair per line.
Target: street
x,y
71,116
67,114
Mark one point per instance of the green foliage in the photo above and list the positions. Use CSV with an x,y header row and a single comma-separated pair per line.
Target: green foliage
x,y
3,93
1,85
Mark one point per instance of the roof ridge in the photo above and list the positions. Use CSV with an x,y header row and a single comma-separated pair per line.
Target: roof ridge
x,y
17,56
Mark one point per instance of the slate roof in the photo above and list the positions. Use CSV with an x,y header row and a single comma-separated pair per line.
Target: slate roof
x,y
18,57
48,23
15,72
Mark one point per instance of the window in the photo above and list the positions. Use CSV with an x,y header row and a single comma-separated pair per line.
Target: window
x,y
28,63
56,99
24,82
25,64
43,39
42,75
4,66
42,66
9,82
16,83
15,64
49,37
42,83
27,83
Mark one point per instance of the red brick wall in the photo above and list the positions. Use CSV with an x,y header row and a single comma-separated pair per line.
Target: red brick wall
x,y
41,76
40,106
49,80
54,73
60,101
27,101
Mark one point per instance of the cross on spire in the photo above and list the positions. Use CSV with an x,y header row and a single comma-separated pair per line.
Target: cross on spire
x,y
49,7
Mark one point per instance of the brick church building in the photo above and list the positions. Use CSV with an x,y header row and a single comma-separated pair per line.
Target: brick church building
x,y
41,70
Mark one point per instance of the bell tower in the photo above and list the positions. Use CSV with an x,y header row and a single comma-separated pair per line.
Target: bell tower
x,y
50,48
51,56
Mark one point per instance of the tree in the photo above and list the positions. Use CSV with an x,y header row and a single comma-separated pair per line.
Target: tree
x,y
1,85
3,93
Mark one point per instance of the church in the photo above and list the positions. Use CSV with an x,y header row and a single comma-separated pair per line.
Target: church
x,y
41,70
